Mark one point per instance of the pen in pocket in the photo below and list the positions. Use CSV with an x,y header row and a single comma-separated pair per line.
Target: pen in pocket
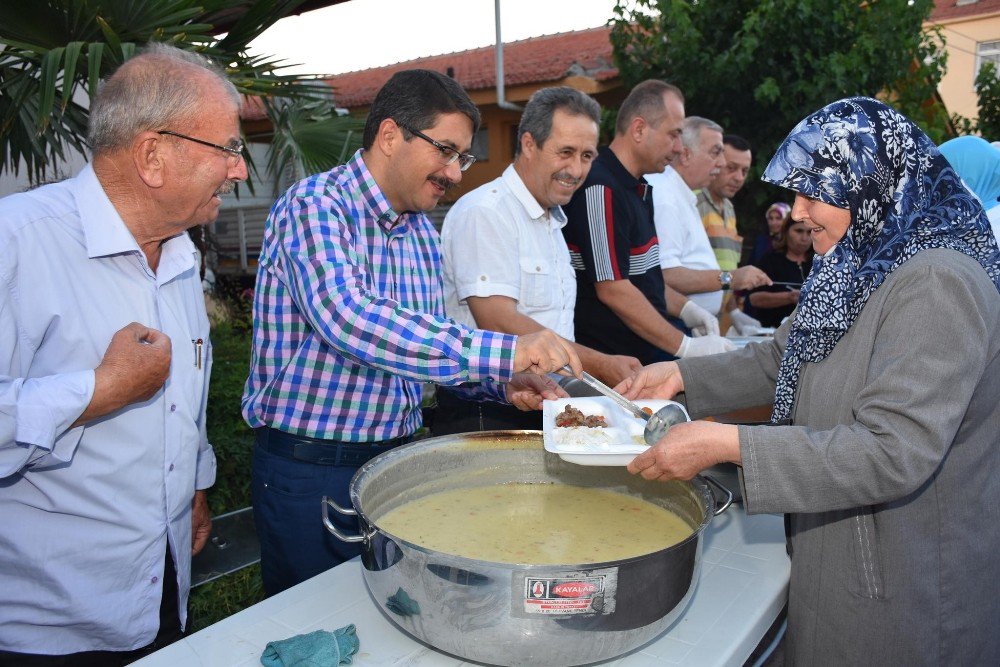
x,y
198,344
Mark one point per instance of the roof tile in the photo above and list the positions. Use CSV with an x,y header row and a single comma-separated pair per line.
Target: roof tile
x,y
949,10
533,60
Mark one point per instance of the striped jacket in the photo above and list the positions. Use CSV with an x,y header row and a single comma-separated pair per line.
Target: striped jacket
x,y
610,236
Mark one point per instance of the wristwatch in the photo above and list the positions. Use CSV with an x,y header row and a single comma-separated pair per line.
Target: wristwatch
x,y
725,278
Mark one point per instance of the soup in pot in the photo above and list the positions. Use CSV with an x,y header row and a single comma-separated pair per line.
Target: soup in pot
x,y
539,524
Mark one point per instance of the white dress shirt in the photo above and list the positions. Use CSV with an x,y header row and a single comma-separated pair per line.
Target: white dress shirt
x,y
498,240
683,239
87,511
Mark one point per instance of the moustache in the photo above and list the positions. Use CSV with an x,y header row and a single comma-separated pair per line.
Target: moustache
x,y
445,183
567,178
227,187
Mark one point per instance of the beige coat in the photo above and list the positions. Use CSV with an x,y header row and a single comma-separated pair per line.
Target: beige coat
x,y
890,471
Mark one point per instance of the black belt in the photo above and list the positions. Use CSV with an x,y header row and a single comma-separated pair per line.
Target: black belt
x,y
324,452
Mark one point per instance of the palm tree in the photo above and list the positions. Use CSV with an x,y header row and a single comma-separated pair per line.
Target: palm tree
x,y
54,53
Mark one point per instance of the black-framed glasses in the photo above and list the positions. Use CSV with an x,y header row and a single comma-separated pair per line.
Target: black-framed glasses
x,y
235,150
448,154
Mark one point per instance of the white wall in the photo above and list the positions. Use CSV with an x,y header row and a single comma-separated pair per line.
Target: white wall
x,y
9,183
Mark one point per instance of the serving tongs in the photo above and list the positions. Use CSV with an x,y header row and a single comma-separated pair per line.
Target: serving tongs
x,y
657,423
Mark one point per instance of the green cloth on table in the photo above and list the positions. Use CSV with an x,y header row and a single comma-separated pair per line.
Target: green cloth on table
x,y
316,649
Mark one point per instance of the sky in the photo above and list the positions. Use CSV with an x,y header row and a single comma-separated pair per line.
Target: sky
x,y
371,33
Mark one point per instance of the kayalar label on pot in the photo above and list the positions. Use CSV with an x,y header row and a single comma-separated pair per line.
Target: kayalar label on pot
x,y
591,592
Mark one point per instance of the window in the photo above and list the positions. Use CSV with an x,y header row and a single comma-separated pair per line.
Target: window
x,y
481,145
987,52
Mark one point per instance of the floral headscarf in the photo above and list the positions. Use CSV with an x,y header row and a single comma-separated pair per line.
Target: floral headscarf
x,y
904,197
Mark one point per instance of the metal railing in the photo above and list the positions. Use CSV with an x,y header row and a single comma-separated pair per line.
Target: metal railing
x,y
237,234
232,546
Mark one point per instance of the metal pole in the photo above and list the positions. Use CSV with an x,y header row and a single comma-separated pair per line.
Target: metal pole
x,y
501,94
242,226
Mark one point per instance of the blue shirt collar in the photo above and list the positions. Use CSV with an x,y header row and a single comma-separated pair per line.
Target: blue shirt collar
x,y
106,234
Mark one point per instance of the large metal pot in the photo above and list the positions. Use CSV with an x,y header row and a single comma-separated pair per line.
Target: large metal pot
x,y
508,614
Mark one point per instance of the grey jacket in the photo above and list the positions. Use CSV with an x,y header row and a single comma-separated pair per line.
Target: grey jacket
x,y
890,471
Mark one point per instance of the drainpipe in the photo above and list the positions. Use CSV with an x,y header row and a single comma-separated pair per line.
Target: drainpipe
x,y
501,97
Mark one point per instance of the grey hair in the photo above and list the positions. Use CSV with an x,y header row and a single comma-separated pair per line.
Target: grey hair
x,y
542,106
152,91
693,125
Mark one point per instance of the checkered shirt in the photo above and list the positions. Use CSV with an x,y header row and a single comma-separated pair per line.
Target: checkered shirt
x,y
348,316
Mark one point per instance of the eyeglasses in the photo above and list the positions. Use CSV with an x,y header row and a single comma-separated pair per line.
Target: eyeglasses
x,y
448,154
235,150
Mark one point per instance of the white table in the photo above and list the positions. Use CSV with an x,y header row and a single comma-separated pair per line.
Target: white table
x,y
742,587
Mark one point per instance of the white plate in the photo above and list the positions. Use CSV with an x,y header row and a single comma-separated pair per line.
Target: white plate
x,y
620,442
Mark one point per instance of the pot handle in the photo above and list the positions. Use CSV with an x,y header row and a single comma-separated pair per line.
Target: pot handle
x,y
729,494
330,525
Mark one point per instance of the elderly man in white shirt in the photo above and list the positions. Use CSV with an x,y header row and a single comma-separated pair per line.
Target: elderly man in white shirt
x,y
506,264
689,264
104,369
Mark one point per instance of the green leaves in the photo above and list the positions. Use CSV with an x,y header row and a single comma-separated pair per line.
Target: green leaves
x,y
54,53
988,90
757,68
987,124
314,137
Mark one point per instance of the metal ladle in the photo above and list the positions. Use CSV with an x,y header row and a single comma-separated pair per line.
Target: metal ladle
x,y
657,423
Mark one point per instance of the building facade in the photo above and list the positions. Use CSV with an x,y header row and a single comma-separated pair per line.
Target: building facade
x,y
971,29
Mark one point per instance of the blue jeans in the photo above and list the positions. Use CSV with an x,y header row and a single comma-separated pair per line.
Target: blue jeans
x,y
287,495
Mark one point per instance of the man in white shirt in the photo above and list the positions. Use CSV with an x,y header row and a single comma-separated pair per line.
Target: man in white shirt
x,y
689,264
104,368
506,264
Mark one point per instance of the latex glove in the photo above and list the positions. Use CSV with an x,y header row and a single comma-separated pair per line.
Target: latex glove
x,y
703,346
701,322
744,324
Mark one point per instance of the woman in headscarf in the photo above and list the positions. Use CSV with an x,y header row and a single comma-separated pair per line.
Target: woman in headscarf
x,y
787,265
978,163
885,448
767,241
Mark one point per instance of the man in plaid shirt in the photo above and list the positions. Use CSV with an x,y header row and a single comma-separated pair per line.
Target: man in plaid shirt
x,y
349,322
